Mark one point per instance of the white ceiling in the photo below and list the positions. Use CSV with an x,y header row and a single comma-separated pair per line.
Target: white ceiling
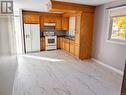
x,y
88,2
41,5
34,5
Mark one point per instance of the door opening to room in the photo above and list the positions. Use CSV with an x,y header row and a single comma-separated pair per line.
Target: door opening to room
x,y
18,35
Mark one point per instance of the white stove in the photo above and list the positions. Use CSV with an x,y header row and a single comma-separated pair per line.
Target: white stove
x,y
50,41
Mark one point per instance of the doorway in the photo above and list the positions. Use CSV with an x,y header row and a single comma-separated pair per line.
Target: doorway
x,y
123,92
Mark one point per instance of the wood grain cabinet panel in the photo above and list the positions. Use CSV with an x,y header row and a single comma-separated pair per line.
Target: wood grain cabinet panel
x,y
48,19
42,43
64,44
61,43
67,45
65,23
86,35
58,42
58,23
54,19
72,47
41,21
29,19
76,50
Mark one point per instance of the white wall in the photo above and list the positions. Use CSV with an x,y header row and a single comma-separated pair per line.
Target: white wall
x,y
5,48
19,31
7,36
109,53
8,63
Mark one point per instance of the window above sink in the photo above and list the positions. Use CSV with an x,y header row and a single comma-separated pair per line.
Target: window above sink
x,y
72,22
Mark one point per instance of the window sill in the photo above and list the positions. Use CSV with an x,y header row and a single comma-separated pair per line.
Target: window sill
x,y
118,42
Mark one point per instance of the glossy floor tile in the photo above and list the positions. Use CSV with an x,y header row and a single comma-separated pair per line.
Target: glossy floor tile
x,y
58,73
8,66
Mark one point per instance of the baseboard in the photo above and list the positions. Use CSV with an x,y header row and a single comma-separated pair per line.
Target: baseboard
x,y
108,66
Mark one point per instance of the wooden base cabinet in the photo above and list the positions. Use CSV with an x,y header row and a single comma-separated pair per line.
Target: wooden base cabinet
x,y
58,43
61,42
42,43
72,47
76,50
67,45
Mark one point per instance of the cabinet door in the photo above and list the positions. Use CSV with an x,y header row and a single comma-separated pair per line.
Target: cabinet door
x,y
58,21
31,19
42,43
65,23
72,47
54,19
66,45
76,50
61,42
58,42
26,19
86,35
41,21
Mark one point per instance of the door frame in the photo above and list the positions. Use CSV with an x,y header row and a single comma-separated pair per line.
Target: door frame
x,y
123,90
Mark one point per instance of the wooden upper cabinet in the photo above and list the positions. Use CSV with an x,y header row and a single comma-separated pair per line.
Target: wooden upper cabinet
x,y
31,18
41,21
54,19
65,23
58,23
48,19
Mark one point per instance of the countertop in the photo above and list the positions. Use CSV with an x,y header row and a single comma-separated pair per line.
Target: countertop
x,y
70,37
67,37
62,33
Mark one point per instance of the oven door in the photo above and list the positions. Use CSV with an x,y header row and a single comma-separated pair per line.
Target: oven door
x,y
51,40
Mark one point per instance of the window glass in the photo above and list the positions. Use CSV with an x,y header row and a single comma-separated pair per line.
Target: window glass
x,y
118,28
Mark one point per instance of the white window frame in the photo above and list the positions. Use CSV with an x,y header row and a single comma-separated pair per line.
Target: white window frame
x,y
72,21
115,12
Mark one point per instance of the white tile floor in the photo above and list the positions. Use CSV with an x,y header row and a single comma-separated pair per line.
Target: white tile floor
x,y
8,66
58,73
